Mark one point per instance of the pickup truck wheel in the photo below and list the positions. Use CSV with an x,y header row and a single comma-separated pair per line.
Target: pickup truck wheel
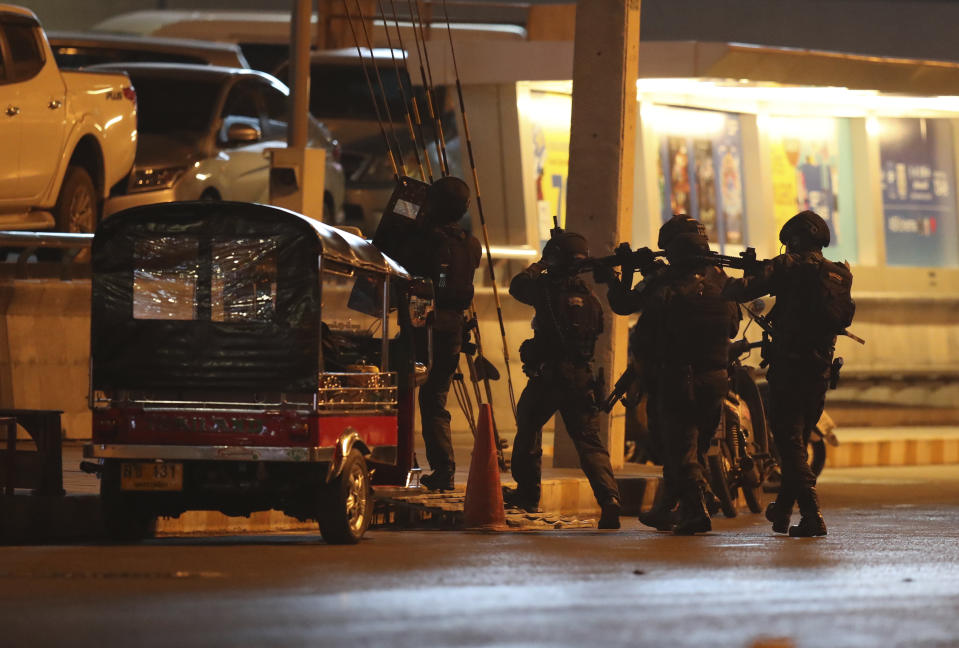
x,y
346,503
77,208
123,519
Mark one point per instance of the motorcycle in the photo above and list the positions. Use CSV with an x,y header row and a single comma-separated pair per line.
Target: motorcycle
x,y
738,456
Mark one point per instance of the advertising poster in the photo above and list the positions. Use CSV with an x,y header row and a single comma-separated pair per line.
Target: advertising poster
x,y
918,192
548,113
700,170
811,168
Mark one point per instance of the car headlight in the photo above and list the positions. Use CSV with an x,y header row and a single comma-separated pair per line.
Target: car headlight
x,y
148,179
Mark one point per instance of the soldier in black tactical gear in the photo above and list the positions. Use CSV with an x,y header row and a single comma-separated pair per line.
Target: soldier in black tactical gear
x,y
449,256
626,299
813,305
690,323
567,321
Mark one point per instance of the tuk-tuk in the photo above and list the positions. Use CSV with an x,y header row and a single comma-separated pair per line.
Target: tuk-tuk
x,y
244,357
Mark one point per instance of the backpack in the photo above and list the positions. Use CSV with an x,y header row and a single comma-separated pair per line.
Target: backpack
x,y
831,306
697,320
452,269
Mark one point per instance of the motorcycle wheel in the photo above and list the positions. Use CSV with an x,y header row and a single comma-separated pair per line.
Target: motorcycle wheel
x,y
817,456
754,498
719,482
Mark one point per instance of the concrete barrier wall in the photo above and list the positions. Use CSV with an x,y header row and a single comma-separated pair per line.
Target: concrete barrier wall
x,y
44,349
45,324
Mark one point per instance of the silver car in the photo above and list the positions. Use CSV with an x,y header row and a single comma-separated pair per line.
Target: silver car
x,y
82,49
204,133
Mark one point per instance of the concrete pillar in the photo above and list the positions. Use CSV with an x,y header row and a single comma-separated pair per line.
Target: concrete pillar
x,y
599,202
299,73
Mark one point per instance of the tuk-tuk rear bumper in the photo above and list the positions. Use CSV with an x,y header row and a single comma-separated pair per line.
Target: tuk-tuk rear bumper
x,y
208,453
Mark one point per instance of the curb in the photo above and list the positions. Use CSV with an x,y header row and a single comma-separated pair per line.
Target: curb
x,y
32,519
898,452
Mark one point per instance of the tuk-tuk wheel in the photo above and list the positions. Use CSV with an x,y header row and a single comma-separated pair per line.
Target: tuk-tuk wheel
x,y
346,503
123,519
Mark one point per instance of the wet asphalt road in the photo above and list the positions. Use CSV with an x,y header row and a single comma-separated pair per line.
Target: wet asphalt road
x,y
887,575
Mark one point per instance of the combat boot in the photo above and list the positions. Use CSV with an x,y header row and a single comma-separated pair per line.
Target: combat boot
x,y
693,516
811,524
660,516
517,499
609,518
779,517
438,481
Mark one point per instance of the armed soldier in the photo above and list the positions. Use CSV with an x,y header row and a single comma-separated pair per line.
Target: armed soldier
x,y
567,321
813,305
644,360
688,323
444,252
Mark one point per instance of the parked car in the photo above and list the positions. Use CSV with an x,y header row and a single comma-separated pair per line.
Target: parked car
x,y
68,137
82,49
204,133
264,36
350,113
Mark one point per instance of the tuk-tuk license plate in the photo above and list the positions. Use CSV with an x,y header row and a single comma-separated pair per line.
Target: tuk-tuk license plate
x,y
151,476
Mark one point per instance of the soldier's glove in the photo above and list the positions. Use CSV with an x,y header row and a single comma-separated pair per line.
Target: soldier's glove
x,y
754,268
603,274
624,254
645,259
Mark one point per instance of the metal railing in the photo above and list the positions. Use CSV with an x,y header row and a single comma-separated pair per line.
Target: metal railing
x,y
22,257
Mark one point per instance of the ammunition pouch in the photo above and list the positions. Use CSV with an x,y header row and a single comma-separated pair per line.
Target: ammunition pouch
x,y
834,372
532,356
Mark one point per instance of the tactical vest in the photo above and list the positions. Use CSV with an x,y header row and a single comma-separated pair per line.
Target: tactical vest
x,y
568,320
695,320
452,268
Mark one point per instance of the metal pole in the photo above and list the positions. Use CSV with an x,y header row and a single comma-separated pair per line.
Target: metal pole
x,y
299,73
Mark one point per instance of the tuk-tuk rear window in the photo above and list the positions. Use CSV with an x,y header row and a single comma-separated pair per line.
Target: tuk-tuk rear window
x,y
165,275
244,280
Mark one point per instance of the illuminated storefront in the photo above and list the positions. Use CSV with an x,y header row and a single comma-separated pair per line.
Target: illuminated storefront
x,y
744,156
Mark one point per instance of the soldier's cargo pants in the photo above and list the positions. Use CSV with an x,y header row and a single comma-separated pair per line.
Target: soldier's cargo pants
x,y
569,389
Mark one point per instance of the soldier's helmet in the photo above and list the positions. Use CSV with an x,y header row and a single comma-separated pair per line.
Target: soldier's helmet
x,y
447,200
805,231
682,237
564,248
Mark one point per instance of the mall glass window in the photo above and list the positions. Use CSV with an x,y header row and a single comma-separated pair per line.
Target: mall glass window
x,y
811,165
918,192
700,170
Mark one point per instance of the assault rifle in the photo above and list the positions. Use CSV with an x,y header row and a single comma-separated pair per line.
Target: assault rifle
x,y
767,326
642,259
746,261
619,391
768,333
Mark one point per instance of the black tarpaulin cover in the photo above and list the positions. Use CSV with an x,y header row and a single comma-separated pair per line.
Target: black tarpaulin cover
x,y
209,296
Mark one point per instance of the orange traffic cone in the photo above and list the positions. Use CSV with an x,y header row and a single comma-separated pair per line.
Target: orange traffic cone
x,y
483,508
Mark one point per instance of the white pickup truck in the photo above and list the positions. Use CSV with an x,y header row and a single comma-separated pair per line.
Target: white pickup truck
x,y
66,138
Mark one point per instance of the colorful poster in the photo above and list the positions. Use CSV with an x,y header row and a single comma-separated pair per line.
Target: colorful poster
x,y
806,157
700,170
548,112
918,192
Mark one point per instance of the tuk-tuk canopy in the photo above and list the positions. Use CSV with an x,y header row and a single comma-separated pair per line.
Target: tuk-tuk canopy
x,y
214,296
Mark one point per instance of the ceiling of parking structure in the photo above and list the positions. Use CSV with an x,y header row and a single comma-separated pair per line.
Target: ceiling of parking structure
x,y
797,67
